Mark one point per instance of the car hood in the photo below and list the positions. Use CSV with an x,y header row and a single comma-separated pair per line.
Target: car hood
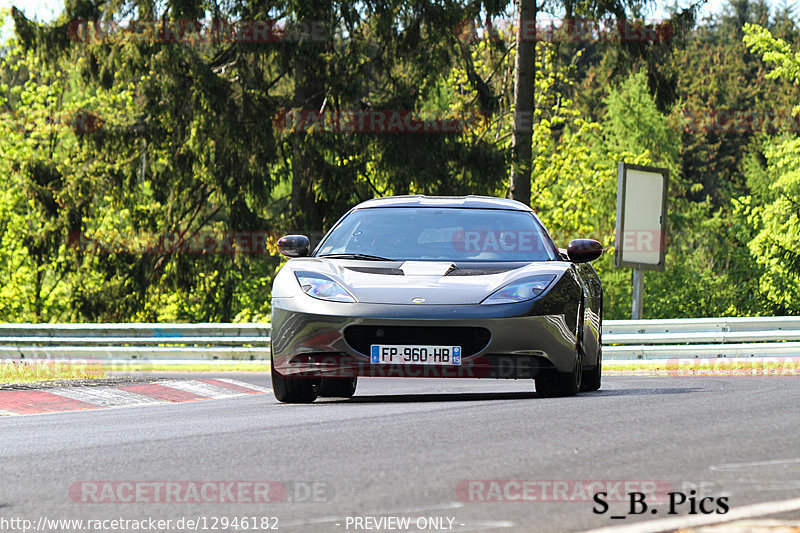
x,y
424,282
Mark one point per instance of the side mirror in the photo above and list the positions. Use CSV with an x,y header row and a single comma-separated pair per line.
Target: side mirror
x,y
584,250
293,245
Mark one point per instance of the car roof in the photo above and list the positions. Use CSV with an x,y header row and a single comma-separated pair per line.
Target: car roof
x,y
471,201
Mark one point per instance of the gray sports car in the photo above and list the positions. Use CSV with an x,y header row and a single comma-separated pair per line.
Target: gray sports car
x,y
417,286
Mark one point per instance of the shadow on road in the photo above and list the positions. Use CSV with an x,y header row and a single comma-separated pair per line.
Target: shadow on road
x,y
483,396
438,397
643,392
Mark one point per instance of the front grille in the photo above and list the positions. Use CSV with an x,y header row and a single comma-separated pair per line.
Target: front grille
x,y
471,339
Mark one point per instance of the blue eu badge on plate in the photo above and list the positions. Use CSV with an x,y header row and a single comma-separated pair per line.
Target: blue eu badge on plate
x,y
375,355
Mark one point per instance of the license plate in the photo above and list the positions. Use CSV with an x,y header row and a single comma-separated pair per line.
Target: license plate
x,y
412,354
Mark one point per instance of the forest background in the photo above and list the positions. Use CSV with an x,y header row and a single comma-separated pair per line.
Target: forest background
x,y
152,152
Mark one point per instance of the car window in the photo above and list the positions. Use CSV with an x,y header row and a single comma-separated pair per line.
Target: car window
x,y
440,234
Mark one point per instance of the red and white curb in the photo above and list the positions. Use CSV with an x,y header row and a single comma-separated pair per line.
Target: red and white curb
x,y
59,399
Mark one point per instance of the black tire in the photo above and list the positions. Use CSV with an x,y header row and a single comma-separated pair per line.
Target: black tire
x,y
294,389
338,387
561,383
593,377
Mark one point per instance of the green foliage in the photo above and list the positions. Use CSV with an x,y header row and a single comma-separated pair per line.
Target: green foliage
x,y
75,176
776,225
772,210
110,143
786,64
636,126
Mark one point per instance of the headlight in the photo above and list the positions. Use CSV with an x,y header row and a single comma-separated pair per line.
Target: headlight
x,y
323,287
520,290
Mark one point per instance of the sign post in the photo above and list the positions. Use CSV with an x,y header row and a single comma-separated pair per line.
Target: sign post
x,y
641,224
638,293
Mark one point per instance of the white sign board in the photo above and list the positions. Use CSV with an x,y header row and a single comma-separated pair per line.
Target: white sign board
x,y
641,217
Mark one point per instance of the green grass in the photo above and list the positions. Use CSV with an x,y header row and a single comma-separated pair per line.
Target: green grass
x,y
704,367
192,367
30,372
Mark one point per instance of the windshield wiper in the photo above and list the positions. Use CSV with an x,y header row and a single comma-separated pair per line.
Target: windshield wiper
x,y
363,257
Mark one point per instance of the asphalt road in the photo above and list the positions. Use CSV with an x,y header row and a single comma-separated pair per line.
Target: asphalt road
x,y
421,449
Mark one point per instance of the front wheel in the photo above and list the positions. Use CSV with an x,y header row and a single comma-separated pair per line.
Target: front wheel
x,y
592,378
338,387
562,383
294,389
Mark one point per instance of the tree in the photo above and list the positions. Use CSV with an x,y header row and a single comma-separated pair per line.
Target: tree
x,y
777,189
189,146
196,125
524,83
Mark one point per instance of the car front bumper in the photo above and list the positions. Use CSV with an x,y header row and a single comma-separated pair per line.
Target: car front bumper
x,y
310,338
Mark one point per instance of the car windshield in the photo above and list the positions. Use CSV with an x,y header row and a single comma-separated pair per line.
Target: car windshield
x,y
439,234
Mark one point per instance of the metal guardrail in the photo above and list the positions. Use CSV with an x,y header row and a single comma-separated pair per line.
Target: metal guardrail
x,y
701,337
135,342
622,340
